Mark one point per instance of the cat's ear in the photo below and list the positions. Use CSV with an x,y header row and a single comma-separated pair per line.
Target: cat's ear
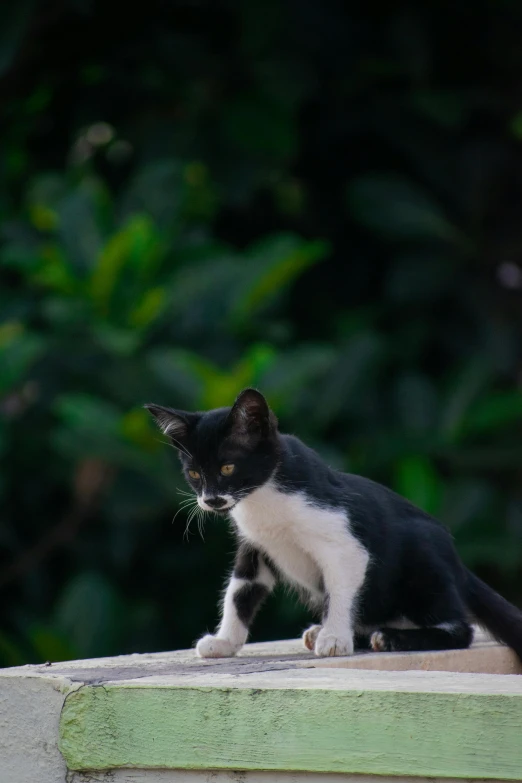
x,y
175,424
250,417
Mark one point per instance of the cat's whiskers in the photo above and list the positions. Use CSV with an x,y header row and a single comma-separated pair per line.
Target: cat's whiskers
x,y
182,448
179,446
190,517
186,532
188,503
183,506
190,498
201,522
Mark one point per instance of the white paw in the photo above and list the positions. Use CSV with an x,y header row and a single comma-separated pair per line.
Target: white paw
x,y
378,642
213,647
328,644
310,636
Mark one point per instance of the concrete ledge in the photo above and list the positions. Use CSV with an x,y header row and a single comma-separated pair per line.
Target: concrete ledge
x,y
274,713
385,723
30,706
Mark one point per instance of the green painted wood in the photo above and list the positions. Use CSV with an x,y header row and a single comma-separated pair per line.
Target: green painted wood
x,y
459,735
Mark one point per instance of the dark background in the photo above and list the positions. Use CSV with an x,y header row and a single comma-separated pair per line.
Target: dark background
x,y
317,198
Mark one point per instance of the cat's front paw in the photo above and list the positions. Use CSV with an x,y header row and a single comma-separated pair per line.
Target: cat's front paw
x,y
328,644
310,636
213,647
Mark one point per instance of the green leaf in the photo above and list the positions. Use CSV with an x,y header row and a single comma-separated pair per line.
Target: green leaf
x,y
46,192
205,384
271,266
200,197
91,427
135,249
83,215
121,341
182,372
417,480
84,412
157,191
148,310
398,209
224,387
468,382
200,291
20,255
293,375
498,410
54,271
19,351
345,385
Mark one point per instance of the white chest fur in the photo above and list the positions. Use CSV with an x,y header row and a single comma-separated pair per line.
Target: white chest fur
x,y
303,540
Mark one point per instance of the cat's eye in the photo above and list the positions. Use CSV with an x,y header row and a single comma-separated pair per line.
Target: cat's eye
x,y
227,470
194,475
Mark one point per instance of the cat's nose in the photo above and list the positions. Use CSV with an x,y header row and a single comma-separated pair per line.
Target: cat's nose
x,y
216,502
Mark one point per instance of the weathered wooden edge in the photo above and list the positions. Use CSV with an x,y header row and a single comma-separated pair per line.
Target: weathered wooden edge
x,y
367,730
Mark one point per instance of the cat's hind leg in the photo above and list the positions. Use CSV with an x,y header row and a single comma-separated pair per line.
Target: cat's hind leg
x,y
441,624
251,581
446,636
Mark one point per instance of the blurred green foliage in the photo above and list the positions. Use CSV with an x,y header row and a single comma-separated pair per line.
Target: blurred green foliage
x,y
318,200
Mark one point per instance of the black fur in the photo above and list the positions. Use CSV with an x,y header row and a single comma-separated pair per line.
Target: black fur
x,y
247,562
248,600
414,571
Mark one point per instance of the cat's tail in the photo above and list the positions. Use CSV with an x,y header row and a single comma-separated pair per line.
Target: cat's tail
x,y
498,616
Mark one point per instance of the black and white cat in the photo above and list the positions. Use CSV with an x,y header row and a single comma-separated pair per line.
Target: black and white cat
x,y
383,574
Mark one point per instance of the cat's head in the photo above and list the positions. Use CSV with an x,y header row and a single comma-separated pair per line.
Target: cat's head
x,y
226,453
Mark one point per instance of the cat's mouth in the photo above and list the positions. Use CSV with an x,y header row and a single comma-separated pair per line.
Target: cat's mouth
x,y
219,505
224,511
